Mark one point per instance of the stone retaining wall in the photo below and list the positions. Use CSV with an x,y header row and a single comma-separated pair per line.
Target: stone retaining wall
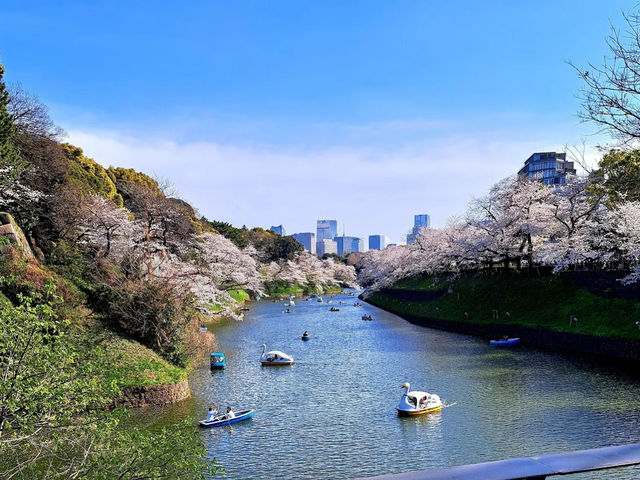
x,y
616,349
136,397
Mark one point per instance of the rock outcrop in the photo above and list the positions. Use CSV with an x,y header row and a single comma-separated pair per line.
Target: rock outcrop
x,y
10,230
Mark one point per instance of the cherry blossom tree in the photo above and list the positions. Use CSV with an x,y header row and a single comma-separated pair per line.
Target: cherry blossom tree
x,y
105,224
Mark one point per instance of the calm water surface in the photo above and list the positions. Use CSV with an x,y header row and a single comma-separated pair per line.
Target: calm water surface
x,y
332,414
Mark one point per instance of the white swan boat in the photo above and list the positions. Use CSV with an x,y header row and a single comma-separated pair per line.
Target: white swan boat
x,y
275,357
418,403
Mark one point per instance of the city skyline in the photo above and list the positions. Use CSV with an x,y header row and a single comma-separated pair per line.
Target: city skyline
x,y
366,238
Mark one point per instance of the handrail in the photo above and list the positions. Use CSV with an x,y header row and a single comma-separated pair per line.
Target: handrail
x,y
531,468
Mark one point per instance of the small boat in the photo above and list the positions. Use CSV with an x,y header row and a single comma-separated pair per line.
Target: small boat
x,y
275,357
505,342
305,337
329,301
288,310
367,317
218,360
222,420
334,309
418,403
357,304
319,299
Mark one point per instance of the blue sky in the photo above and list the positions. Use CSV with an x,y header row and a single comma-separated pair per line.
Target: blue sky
x,y
283,112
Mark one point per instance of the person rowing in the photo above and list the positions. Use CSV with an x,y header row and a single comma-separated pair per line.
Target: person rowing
x,y
230,414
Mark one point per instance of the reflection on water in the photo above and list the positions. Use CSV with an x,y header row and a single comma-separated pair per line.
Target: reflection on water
x,y
332,414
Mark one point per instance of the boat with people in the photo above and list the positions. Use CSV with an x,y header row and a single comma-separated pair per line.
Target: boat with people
x,y
417,402
505,342
218,360
319,299
305,336
334,309
275,357
367,317
357,304
225,419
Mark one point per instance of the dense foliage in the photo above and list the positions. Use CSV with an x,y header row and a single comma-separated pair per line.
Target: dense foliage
x,y
53,423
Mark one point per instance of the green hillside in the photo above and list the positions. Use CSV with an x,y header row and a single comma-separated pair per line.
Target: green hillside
x,y
525,299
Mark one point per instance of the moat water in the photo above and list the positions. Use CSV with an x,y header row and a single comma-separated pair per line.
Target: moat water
x,y
332,414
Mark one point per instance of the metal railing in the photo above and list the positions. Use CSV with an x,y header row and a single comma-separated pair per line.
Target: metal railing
x,y
531,468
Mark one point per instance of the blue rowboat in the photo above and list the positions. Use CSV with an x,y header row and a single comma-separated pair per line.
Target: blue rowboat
x,y
218,360
305,339
221,420
505,343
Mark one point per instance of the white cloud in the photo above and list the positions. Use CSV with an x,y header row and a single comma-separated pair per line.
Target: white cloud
x,y
368,189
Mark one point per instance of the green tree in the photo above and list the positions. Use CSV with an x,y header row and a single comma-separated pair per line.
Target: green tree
x,y
53,423
239,236
44,383
11,164
618,175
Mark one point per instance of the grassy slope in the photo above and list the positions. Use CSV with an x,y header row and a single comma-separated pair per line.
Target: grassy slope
x,y
534,301
133,364
239,295
283,289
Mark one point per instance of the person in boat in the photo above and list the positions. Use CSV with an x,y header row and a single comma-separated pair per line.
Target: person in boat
x,y
211,414
505,337
229,414
423,402
305,334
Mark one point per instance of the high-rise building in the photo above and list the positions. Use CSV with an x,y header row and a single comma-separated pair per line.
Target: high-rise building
x,y
550,168
326,229
422,220
378,242
278,229
326,245
307,239
349,244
